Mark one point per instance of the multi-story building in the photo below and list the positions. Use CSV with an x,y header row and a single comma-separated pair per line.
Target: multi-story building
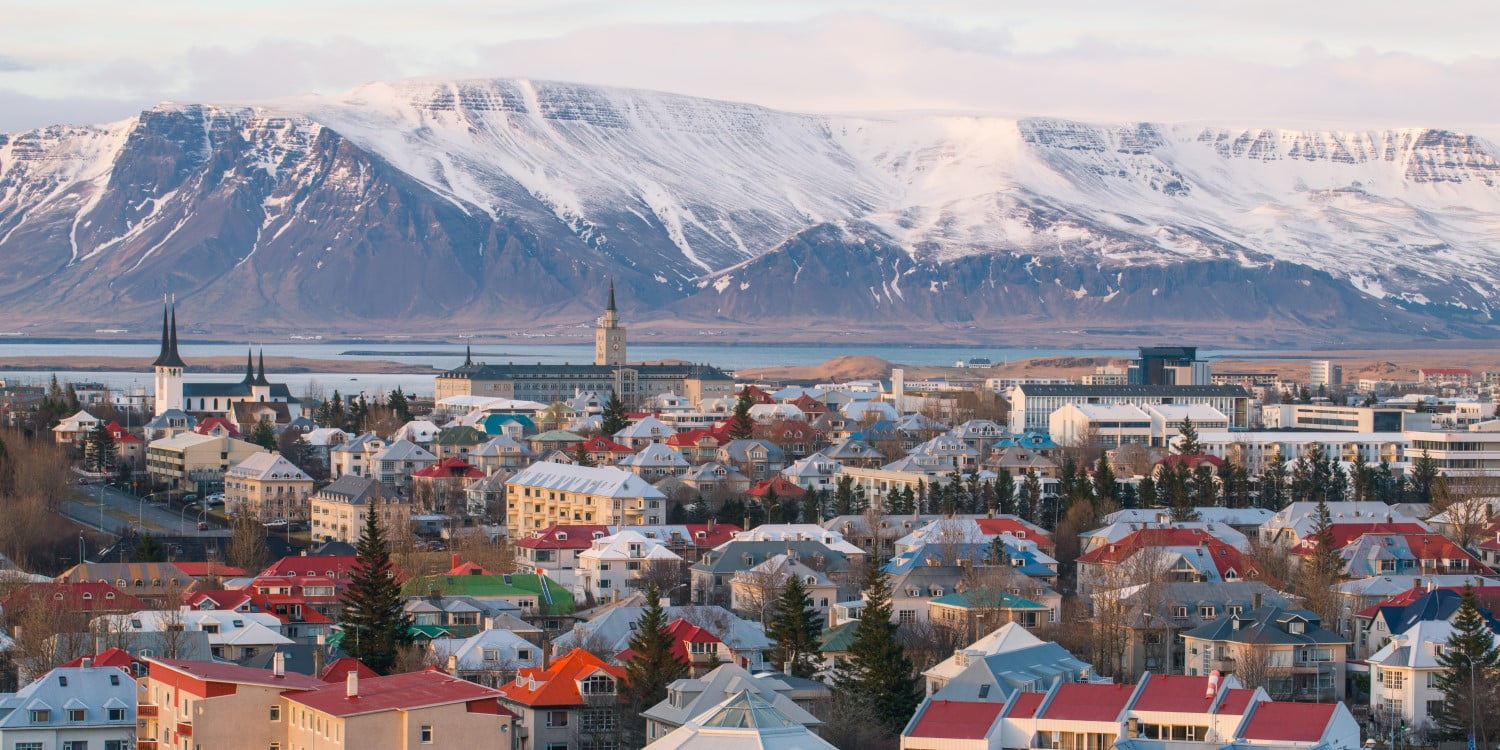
x,y
71,708
1305,661
394,464
1404,677
1323,373
1255,449
192,704
1168,365
190,461
548,494
427,709
1475,452
266,486
338,511
574,702
1031,406
612,565
1106,425
1334,418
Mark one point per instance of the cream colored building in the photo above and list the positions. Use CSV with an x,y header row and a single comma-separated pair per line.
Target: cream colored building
x,y
547,494
186,705
428,710
338,511
189,460
267,487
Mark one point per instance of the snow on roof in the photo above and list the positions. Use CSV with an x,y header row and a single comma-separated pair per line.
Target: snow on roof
x,y
589,480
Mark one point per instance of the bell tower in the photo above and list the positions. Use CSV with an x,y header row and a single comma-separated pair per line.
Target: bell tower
x,y
609,336
168,366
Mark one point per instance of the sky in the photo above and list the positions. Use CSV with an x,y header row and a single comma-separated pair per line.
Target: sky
x,y
1374,63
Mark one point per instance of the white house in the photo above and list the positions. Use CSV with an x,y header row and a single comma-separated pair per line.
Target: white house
x,y
231,635
71,707
489,657
607,568
1404,674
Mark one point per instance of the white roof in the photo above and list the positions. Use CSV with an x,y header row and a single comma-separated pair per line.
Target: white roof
x,y
185,440
493,404
588,480
1414,648
1009,637
791,532
655,454
1110,411
617,547
325,436
1214,514
267,466
647,427
1195,412
234,628
470,651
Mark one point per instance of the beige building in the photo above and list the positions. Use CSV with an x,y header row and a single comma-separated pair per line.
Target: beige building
x,y
338,510
190,461
428,710
186,705
267,487
548,494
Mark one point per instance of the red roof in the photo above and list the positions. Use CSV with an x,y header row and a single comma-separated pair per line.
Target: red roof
x,y
1175,693
1341,535
557,685
1083,701
339,669
467,568
1487,596
603,444
957,720
690,438
113,656
202,569
223,672
682,633
340,566
564,537
784,489
450,468
1025,705
85,596
809,405
120,434
397,692
1015,527
1284,721
1236,700
1225,556
757,396
207,424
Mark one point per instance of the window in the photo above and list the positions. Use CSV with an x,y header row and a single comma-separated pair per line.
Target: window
x,y
1179,613
1432,680
600,720
1234,609
75,714
1208,611
557,718
523,654
598,685
427,734
1392,679
906,616
28,746
40,716
75,745
275,713
117,714
114,744
1434,708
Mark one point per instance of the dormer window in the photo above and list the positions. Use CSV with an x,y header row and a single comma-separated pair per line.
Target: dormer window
x,y
1296,627
597,685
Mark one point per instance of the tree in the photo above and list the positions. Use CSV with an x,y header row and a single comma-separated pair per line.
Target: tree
x,y
795,629
581,455
99,451
149,550
1468,682
1424,475
1146,493
1188,444
263,435
878,671
376,626
613,419
247,544
1106,490
1321,569
652,667
1030,503
1273,482
398,405
741,427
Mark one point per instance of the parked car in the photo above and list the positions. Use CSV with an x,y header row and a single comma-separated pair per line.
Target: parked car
x,y
204,526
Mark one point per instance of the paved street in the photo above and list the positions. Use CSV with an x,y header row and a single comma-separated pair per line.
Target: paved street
x,y
122,510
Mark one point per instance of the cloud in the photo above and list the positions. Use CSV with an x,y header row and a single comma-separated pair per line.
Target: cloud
x,y
20,111
10,64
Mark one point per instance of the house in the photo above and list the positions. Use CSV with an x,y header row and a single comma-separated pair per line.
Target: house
x,y
554,551
442,487
1363,593
1010,659
1299,520
755,458
747,720
745,642
426,709
75,430
338,510
84,598
154,583
267,487
796,437
1404,676
977,529
753,592
1397,554
690,697
577,699
547,494
500,453
212,704
194,462
489,657
232,635
692,645
394,464
1376,625
73,708
972,612
713,478
644,432
1307,660
300,621
458,441
1142,623
537,597
816,472
1175,554
654,462
463,616
129,448
353,455
854,454
613,564
604,451
711,576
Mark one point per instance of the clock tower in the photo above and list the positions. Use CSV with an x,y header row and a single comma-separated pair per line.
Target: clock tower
x,y
609,336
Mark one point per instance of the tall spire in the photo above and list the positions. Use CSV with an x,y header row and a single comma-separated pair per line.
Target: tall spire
x,y
260,377
468,355
611,306
249,366
168,357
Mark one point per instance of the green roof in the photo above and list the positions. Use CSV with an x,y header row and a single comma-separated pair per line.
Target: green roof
x,y
460,435
557,436
552,598
838,639
428,632
1007,601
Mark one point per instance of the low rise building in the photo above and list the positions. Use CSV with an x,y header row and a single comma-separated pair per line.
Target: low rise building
x,y
338,510
267,487
194,462
1305,661
72,708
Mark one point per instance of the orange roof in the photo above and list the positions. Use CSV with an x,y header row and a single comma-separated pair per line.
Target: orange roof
x,y
557,685
784,489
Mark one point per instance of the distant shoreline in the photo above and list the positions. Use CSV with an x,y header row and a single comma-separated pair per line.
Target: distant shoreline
x,y
217,365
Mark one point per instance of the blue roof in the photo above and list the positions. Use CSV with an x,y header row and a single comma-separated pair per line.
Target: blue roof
x,y
1435,605
493,422
883,429
1029,440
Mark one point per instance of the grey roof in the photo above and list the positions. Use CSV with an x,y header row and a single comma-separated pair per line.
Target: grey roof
x,y
1036,389
696,696
352,489
731,556
1267,625
739,450
1032,669
644,371
1161,597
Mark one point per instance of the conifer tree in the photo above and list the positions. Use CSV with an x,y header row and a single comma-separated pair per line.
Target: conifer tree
x,y
812,507
1106,491
795,628
399,405
1321,569
1029,505
878,672
652,667
1424,475
581,455
1188,444
613,419
1005,493
1146,493
263,435
1468,682
376,625
99,451
1129,497
741,427
771,505
1273,483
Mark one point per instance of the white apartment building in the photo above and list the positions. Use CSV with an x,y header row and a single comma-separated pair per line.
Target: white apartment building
x,y
1404,674
1031,406
1472,452
610,566
1110,425
1256,448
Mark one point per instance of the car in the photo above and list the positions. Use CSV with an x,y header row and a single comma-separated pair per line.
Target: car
x,y
204,526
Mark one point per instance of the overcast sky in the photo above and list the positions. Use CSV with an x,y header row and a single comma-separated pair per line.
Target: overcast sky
x,y
1272,62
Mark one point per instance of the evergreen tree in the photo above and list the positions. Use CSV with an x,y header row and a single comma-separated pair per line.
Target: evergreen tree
x,y
795,628
581,455
1147,494
1468,682
843,496
878,672
732,511
1188,444
263,435
741,427
613,419
1180,488
1106,490
1424,475
1205,486
1005,493
1129,497
771,505
652,667
149,550
398,405
1273,483
99,451
375,624
812,507
1030,503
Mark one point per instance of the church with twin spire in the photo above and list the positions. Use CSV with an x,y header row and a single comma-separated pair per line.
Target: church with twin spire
x,y
241,403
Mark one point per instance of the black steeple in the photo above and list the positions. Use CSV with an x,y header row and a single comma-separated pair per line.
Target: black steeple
x,y
168,356
611,306
249,367
260,377
468,355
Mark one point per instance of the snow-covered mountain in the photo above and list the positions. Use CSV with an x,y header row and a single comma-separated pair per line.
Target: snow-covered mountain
x,y
501,203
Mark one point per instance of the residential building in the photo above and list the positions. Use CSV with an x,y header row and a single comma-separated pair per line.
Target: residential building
x,y
232,635
691,697
394,464
547,494
489,657
75,430
614,564
1297,520
743,642
1323,373
1144,622
1306,660
745,720
1475,452
753,592
1404,677
338,510
537,597
71,708
194,462
210,704
1170,554
1004,662
574,702
426,709
267,487
158,584
353,455
1407,554
554,551
970,613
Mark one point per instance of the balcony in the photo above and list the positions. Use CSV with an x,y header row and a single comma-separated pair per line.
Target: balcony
x,y
145,711
1224,665
184,729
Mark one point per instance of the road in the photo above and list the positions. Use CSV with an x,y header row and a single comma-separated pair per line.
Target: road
x,y
121,509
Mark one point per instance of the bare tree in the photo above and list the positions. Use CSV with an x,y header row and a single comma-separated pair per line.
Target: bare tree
x,y
666,575
926,643
1467,502
1254,669
755,591
47,635
247,544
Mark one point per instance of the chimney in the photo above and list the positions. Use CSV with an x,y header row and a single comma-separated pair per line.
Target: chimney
x,y
1255,600
454,560
87,662
453,664
351,684
710,524
1432,584
278,664
318,658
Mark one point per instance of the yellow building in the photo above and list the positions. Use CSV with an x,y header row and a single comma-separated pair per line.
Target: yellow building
x,y
546,494
338,510
267,487
191,461
428,710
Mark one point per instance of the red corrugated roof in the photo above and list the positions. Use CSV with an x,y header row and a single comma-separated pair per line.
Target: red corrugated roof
x,y
1341,535
557,685
1236,700
1177,693
451,467
993,526
784,489
1289,722
221,672
1025,705
84,596
392,692
339,669
1082,701
603,444
573,537
113,656
682,633
121,435
207,424
957,720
